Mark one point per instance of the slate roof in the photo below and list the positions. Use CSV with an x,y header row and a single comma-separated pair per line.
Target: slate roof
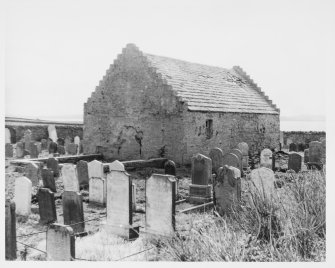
x,y
212,89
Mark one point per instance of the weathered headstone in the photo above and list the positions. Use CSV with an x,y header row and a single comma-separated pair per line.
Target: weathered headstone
x,y
95,169
7,136
73,211
70,178
19,150
32,172
294,161
244,148
46,206
82,170
232,160
52,163
72,148
216,155
266,158
53,147
323,146
292,147
44,144
301,147
48,179
315,152
200,191
10,230
67,141
27,139
239,154
60,243
97,191
8,150
60,141
170,168
160,204
119,202
61,149
22,196
227,189
263,182
33,150
52,133
306,156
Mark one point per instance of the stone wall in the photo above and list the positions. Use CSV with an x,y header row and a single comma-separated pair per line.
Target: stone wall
x,y
303,137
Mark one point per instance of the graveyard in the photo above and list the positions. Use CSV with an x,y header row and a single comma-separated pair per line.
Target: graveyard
x,y
242,205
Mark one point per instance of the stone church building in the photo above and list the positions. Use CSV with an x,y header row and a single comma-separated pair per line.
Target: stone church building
x,y
149,106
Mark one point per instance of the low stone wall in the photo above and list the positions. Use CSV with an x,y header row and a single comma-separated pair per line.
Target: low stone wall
x,y
300,137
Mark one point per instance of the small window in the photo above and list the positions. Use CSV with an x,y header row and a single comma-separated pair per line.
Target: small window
x,y
209,128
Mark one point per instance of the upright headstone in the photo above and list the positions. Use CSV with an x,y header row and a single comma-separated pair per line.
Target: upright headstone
x,y
22,196
60,141
315,152
10,230
72,149
61,149
227,189
82,170
170,168
52,163
160,204
244,148
48,179
73,211
32,172
263,182
239,154
97,191
46,206
232,160
95,169
8,150
44,144
77,142
200,191
294,161
60,243
301,147
70,178
216,155
306,156
53,147
7,136
133,189
33,150
27,139
292,147
119,202
67,141
323,154
266,158
19,150
52,133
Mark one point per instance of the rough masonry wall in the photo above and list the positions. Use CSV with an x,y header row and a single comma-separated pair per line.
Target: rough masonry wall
x,y
303,137
132,114
257,130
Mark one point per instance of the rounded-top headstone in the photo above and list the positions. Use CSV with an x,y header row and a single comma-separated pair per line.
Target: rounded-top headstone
x,y
52,133
294,161
266,158
315,152
243,147
201,169
232,160
22,196
216,154
263,180
77,140
116,166
170,168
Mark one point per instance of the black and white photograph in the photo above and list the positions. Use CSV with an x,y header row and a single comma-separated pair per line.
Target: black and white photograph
x,y
167,131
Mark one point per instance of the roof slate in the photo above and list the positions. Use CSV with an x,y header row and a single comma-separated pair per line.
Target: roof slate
x,y
212,89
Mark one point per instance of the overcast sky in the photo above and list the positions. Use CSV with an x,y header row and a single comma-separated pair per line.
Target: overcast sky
x,y
57,51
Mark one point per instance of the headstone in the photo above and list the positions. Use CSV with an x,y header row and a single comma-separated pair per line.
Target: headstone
x,y
52,163
292,147
27,139
76,140
323,146
7,136
60,243
232,160
200,191
44,144
52,133
170,168
32,172
19,150
67,141
22,196
10,230
33,150
70,178
239,154
8,150
48,179
227,189
244,148
97,191
133,189
301,147
160,204
53,147
315,152
266,158
60,141
294,161
72,149
306,156
263,182
82,170
46,206
73,211
95,169
119,202
61,149
216,155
